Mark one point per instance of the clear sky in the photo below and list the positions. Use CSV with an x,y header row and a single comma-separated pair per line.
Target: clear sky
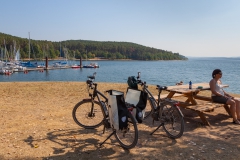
x,y
199,28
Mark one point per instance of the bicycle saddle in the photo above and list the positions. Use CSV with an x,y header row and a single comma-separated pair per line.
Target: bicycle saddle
x,y
161,87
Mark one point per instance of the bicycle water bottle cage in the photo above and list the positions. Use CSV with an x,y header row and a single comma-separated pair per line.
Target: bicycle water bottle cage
x,y
132,82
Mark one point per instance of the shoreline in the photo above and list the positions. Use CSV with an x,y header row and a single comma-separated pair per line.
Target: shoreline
x,y
36,123
152,86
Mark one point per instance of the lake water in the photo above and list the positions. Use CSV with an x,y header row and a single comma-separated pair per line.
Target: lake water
x,y
153,72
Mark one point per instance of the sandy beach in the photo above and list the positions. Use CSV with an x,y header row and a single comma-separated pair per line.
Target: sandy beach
x,y
36,123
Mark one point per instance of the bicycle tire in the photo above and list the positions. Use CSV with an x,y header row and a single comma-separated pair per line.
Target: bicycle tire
x,y
173,122
128,137
81,114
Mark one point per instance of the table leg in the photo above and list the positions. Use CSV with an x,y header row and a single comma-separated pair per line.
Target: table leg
x,y
170,95
203,118
191,99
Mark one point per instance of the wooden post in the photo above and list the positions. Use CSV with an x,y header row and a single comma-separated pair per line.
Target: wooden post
x,y
81,62
46,63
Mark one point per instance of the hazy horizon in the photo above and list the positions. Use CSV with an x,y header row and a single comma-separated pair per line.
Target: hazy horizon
x,y
190,28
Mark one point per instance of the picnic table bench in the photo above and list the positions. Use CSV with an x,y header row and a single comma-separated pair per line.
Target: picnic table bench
x,y
206,104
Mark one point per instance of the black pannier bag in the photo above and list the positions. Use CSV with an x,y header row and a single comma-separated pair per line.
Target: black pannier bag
x,y
139,99
117,109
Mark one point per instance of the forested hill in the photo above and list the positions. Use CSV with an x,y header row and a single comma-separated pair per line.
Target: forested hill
x,y
79,48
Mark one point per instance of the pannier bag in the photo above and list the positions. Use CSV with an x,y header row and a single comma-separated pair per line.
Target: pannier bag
x,y
132,82
139,99
117,109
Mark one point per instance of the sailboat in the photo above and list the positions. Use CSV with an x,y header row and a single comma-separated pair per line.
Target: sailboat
x,y
42,64
61,64
28,64
17,63
5,66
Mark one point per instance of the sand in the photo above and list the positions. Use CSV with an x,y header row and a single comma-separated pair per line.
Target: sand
x,y
36,123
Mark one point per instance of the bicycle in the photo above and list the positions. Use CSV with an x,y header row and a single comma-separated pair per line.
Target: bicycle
x,y
93,112
165,110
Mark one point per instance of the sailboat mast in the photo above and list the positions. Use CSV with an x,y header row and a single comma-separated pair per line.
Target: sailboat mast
x,y
29,46
5,50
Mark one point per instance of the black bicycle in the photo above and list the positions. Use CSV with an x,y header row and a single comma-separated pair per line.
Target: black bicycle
x,y
93,112
166,111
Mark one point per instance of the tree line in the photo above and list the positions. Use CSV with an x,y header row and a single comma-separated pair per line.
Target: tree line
x,y
74,49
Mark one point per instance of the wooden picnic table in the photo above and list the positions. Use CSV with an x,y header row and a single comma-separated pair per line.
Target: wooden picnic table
x,y
192,97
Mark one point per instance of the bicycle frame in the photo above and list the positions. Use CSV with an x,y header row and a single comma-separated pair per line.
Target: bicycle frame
x,y
156,104
151,99
153,102
99,95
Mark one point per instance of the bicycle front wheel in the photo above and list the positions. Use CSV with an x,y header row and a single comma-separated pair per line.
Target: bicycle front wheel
x,y
128,137
87,114
173,122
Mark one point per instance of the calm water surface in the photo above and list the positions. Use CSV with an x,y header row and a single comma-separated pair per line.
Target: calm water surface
x,y
153,72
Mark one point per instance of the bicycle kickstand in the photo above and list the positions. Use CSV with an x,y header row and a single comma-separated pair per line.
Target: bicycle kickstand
x,y
107,138
156,129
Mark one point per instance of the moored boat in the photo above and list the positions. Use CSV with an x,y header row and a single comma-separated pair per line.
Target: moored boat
x,y
91,65
76,66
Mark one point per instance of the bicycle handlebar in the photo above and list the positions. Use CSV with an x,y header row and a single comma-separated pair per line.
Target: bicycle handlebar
x,y
91,78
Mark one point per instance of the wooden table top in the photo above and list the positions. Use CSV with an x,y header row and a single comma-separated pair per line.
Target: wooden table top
x,y
195,87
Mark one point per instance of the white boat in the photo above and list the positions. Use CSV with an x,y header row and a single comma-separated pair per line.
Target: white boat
x,y
62,64
91,65
5,66
6,71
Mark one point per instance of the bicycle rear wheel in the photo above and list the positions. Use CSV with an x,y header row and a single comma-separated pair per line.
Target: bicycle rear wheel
x,y
128,137
86,115
173,120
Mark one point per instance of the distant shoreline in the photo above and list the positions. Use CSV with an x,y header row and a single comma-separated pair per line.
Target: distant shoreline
x,y
94,59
